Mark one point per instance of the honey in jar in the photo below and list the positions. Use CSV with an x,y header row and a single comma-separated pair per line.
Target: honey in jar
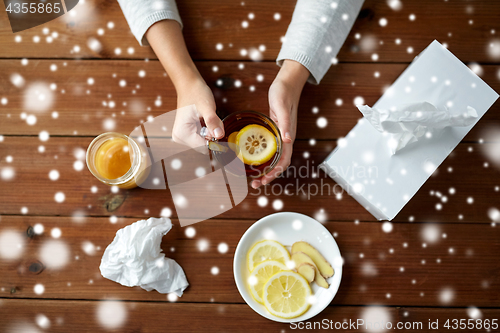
x,y
112,160
117,160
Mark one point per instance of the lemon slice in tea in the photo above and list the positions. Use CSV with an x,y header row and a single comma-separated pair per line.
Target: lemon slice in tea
x,y
232,140
257,144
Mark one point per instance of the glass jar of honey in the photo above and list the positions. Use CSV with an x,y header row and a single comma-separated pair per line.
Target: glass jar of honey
x,y
117,160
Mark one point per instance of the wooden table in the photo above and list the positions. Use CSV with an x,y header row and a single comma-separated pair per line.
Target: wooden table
x,y
415,277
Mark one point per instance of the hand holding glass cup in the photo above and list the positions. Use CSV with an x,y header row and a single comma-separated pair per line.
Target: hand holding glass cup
x,y
250,136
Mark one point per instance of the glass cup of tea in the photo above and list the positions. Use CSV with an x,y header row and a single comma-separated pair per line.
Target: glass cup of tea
x,y
252,137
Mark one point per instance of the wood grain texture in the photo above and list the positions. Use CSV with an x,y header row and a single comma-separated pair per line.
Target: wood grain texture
x,y
79,316
32,188
464,26
441,257
393,268
91,109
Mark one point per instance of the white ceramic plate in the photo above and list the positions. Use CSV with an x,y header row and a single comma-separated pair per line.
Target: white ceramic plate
x,y
287,228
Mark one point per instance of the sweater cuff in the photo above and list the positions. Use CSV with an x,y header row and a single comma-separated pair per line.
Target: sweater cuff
x,y
152,19
301,58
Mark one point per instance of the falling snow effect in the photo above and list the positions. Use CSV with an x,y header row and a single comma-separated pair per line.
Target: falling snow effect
x,y
78,216
262,201
7,173
56,232
474,313
54,175
176,164
278,204
359,100
54,254
255,54
297,225
321,215
446,296
171,297
202,245
180,201
494,214
222,248
368,269
111,314
59,197
89,248
375,318
109,124
17,80
322,122
12,244
43,136
78,165
431,233
38,228
42,321
387,227
39,99
476,68
493,49
94,44
395,4
190,232
490,151
39,289
166,212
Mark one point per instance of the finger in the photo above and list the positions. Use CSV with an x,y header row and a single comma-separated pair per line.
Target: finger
x,y
213,122
185,130
256,183
284,123
282,165
198,143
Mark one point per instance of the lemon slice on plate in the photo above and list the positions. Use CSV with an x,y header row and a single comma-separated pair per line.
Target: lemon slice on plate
x,y
261,274
287,295
266,250
257,144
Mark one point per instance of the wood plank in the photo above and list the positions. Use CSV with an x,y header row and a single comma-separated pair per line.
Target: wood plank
x,y
85,109
32,188
372,269
206,25
83,316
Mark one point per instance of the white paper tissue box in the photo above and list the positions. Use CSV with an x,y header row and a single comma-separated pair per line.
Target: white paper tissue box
x,y
363,162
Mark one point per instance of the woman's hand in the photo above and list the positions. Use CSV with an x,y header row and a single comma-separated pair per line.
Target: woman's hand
x,y
165,37
187,120
199,94
284,95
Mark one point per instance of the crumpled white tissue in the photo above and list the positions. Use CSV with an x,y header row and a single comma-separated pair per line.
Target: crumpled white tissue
x,y
134,258
409,123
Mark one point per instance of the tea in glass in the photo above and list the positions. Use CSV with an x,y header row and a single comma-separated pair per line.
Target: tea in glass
x,y
253,138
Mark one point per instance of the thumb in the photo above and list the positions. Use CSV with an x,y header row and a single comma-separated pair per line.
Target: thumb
x,y
284,122
213,122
